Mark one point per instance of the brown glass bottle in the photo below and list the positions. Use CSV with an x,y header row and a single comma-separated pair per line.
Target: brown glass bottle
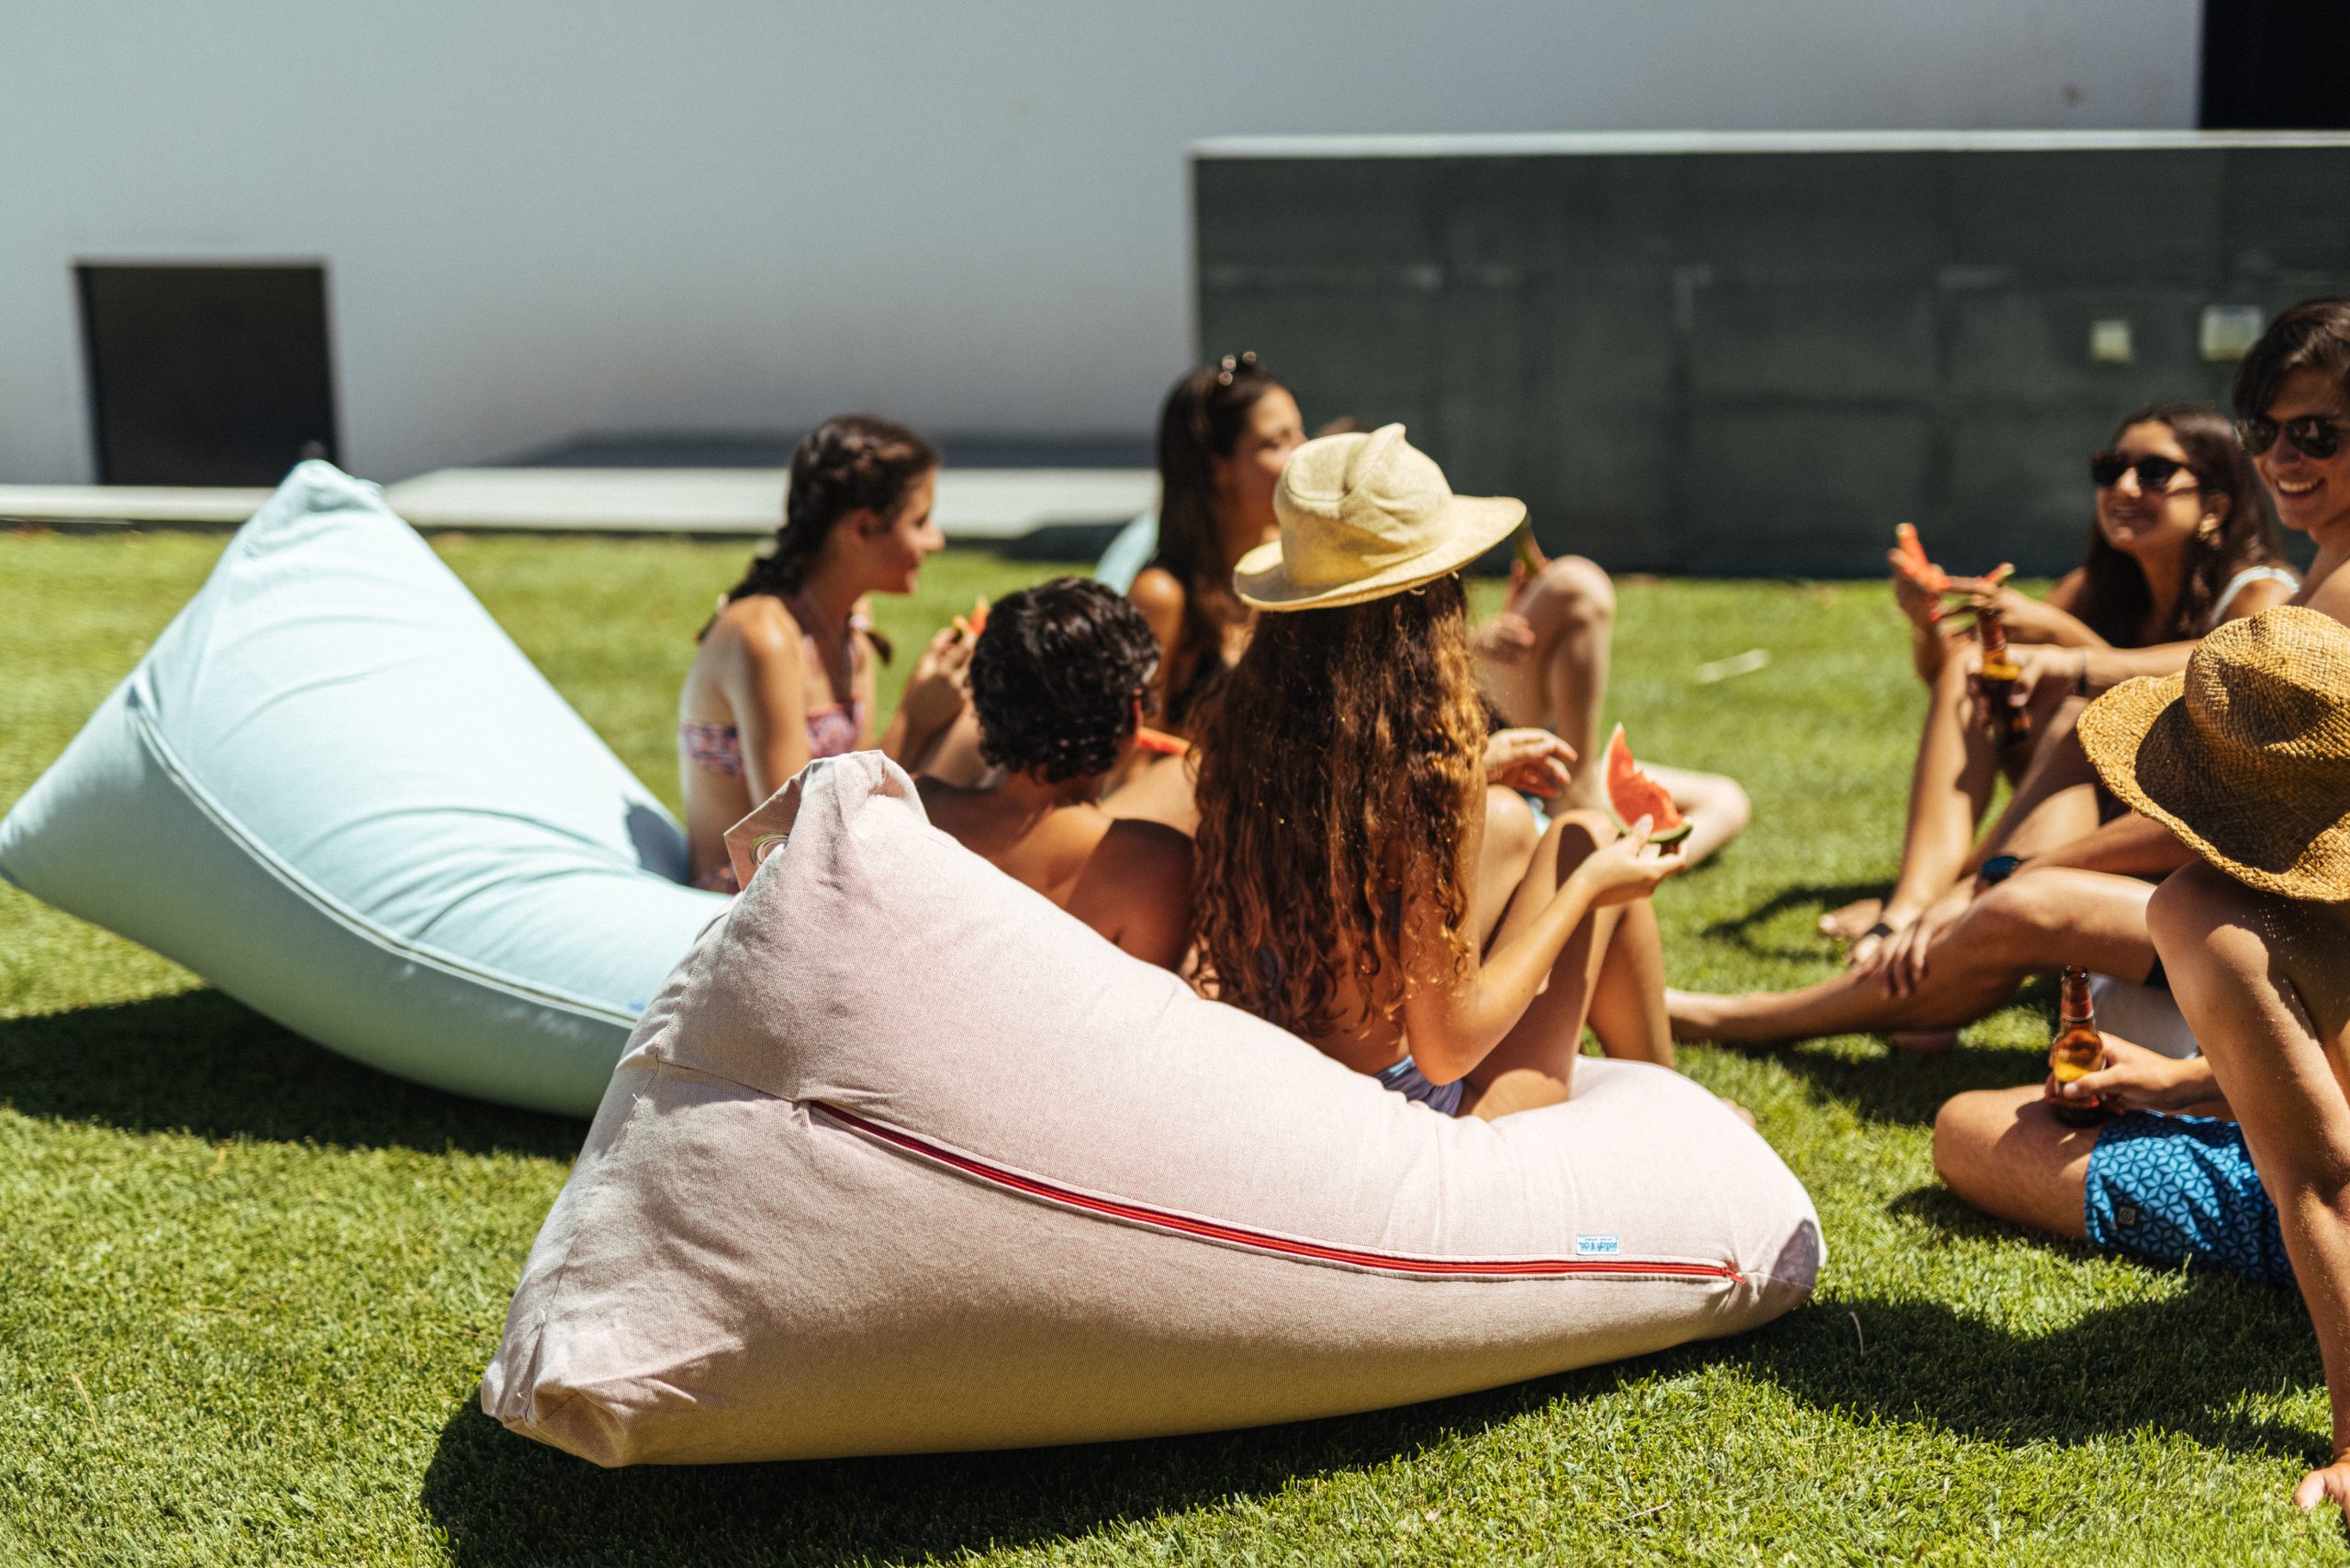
x,y
2011,725
2077,1050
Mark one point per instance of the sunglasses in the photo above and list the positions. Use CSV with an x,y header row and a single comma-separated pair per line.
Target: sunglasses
x,y
2311,435
2155,473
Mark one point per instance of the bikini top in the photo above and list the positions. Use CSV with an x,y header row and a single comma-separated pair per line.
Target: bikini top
x,y
833,731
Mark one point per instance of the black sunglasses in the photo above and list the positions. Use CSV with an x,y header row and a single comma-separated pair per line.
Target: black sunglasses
x,y
2155,473
2311,435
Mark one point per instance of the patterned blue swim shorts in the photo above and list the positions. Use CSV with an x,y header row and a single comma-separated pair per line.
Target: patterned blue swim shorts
x,y
2171,1188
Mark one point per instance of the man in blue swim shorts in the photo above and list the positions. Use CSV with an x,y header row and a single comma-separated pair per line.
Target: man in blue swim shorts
x,y
2169,1180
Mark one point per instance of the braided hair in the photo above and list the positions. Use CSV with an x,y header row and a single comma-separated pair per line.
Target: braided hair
x,y
1057,677
849,463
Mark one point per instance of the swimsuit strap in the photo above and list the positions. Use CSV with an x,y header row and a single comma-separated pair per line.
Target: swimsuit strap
x,y
2245,580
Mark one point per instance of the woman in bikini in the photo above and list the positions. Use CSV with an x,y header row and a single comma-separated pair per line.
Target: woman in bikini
x,y
2180,544
784,672
1341,793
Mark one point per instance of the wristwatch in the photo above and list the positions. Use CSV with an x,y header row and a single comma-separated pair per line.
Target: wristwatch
x,y
1999,868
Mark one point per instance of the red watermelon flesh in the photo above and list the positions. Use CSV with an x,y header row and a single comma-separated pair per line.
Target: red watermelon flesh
x,y
1632,794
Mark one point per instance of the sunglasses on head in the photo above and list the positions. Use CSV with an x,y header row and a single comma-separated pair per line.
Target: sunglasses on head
x,y
2155,473
2311,435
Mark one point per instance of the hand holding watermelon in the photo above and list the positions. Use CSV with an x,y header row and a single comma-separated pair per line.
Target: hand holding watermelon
x,y
1629,869
1917,583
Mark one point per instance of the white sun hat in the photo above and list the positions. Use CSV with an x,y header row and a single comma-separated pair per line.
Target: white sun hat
x,y
1366,516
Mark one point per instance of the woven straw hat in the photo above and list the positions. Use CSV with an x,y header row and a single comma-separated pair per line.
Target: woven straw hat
x,y
1366,516
2246,756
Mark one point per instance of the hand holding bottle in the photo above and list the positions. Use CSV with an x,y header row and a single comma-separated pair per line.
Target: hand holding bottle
x,y
2136,1078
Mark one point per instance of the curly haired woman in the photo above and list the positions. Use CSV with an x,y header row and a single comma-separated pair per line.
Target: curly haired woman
x,y
1056,679
1224,432
785,670
1341,793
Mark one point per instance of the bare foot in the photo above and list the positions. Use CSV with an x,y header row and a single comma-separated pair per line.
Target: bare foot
x,y
1870,943
1853,920
1925,1042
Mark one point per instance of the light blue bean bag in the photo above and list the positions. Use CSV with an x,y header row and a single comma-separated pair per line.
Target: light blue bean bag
x,y
336,790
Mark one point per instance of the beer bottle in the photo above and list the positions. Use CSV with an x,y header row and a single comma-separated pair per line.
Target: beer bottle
x,y
2077,1050
2009,725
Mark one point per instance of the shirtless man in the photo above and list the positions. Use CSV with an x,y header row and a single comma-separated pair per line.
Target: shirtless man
x,y
1056,683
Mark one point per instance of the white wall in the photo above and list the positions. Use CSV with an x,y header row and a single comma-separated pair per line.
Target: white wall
x,y
541,219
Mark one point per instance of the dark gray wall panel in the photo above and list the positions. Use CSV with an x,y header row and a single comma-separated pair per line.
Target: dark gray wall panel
x,y
1759,360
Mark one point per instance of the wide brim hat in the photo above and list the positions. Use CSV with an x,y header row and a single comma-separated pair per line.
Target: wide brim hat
x,y
1363,516
2245,756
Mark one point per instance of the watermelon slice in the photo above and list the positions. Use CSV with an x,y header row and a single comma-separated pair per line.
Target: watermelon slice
x,y
1632,794
1914,564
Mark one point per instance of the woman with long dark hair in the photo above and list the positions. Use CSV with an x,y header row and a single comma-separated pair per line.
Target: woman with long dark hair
x,y
2180,543
784,672
1342,785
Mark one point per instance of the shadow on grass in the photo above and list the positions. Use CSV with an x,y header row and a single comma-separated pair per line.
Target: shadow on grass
x,y
1906,1088
2176,1365
1824,896
504,1499
200,1063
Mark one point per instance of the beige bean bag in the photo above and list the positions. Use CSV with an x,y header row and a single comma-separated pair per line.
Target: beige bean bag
x,y
903,1158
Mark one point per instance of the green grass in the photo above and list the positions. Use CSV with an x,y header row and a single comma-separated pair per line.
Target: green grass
x,y
246,1287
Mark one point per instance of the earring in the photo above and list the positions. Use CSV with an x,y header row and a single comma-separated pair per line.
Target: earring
x,y
2210,527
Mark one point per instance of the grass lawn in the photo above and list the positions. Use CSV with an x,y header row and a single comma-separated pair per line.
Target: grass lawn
x,y
246,1287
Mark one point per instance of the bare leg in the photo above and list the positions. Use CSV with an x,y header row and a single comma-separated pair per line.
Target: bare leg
x,y
2037,920
1561,685
1561,682
2005,1152
2055,801
1715,805
1535,1063
1510,840
1948,791
1628,1003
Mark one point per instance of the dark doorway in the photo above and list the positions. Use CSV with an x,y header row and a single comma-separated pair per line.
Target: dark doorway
x,y
206,374
2276,65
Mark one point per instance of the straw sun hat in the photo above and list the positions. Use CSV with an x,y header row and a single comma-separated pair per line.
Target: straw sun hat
x,y
1366,516
2246,756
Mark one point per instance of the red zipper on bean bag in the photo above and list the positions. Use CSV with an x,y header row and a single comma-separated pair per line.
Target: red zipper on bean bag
x,y
1240,1236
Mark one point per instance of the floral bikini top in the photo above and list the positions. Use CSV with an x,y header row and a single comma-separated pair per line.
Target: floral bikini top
x,y
833,731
